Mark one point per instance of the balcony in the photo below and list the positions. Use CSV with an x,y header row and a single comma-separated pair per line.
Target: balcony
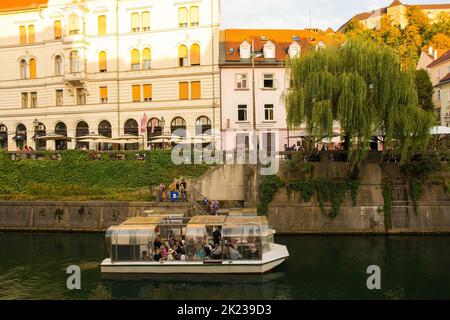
x,y
75,78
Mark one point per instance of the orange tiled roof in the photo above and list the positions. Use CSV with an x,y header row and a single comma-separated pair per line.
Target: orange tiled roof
x,y
13,5
282,39
445,57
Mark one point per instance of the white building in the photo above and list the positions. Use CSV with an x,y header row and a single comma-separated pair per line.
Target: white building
x,y
272,48
111,67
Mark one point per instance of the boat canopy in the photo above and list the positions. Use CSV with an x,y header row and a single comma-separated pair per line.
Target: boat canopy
x,y
208,220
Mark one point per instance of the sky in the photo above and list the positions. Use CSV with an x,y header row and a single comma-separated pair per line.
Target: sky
x,y
295,14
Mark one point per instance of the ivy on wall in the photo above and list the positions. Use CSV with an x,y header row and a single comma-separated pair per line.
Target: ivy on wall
x,y
269,187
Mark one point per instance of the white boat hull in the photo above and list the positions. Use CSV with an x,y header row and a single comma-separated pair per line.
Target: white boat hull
x,y
270,260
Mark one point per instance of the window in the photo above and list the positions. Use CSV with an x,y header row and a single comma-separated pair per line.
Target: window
x,y
136,93
23,69
59,97
146,59
74,61
103,94
57,30
195,90
145,21
148,92
33,99
81,96
23,34
194,16
135,59
24,100
244,50
58,66
74,24
182,17
101,25
268,81
31,37
269,50
195,55
102,62
135,22
242,112
183,90
32,68
241,81
268,112
182,56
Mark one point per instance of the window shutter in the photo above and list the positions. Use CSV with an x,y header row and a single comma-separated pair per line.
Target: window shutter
x,y
73,23
182,51
135,57
32,69
57,29
195,54
195,90
136,93
183,16
194,15
135,23
23,35
148,91
102,61
31,37
184,90
102,25
145,21
146,54
103,92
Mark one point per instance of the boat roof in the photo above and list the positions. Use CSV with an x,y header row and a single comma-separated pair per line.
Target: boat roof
x,y
262,220
208,220
142,221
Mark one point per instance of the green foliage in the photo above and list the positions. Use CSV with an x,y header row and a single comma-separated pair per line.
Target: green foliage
x,y
269,187
77,172
327,191
416,190
424,90
387,208
362,86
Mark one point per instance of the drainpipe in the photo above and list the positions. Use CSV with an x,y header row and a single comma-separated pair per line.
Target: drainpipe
x,y
118,66
212,74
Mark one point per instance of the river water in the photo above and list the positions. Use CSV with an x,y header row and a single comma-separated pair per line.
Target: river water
x,y
33,266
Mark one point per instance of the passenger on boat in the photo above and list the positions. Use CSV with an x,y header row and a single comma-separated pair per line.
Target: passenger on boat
x,y
217,235
145,256
216,253
158,242
157,256
164,251
254,253
199,253
251,237
208,249
234,254
171,255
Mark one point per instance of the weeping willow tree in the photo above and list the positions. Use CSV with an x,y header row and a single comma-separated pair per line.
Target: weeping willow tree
x,y
360,86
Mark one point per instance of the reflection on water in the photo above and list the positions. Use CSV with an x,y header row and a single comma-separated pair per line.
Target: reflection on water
x,y
33,266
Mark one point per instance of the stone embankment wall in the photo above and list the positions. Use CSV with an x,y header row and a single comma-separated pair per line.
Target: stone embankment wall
x,y
89,216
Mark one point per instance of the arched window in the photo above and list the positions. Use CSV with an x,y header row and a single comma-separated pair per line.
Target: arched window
x,y
202,125
31,36
59,68
146,59
104,129
135,59
195,55
145,21
131,127
101,25
21,136
40,132
194,16
61,130
102,62
3,137
32,68
269,50
57,30
182,17
244,50
135,22
74,61
154,128
82,130
23,69
178,127
74,24
182,56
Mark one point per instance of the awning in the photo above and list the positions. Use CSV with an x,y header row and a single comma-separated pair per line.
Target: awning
x,y
19,137
53,136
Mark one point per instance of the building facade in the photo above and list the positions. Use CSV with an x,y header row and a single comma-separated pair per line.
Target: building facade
x,y
439,71
397,11
245,108
109,67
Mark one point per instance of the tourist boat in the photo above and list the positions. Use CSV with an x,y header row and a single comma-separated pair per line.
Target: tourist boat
x,y
131,246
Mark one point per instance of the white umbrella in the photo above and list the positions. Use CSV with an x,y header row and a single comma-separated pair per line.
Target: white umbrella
x,y
127,138
92,137
439,130
192,141
167,137
53,136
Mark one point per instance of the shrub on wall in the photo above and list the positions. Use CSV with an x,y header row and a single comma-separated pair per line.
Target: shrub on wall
x,y
269,187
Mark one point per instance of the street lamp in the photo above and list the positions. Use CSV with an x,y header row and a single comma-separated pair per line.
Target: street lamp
x,y
35,124
162,123
254,55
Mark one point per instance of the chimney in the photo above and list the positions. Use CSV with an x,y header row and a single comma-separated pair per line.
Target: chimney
x,y
435,54
430,50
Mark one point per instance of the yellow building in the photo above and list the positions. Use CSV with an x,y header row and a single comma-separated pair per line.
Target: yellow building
x,y
397,10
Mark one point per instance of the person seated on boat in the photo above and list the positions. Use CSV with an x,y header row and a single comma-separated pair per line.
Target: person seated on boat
x,y
234,254
216,253
217,235
208,249
254,253
251,237
157,256
171,255
199,253
145,256
164,251
158,242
